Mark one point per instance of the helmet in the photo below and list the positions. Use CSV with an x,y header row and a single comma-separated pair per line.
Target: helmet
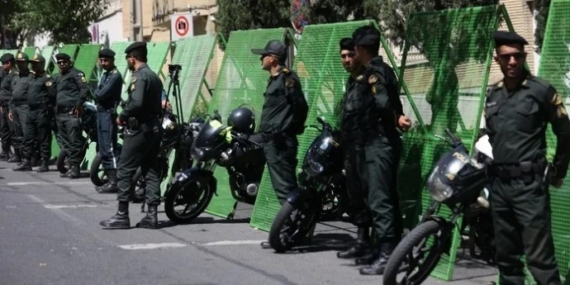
x,y
242,120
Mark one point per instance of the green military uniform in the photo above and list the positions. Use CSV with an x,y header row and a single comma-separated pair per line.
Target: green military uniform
x,y
37,124
382,148
354,162
6,126
71,89
516,121
19,104
141,144
282,118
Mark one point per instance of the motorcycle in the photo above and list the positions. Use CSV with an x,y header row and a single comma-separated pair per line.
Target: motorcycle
x,y
457,181
233,147
177,136
322,183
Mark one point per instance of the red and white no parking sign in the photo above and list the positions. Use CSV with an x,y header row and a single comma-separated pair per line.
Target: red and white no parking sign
x,y
181,26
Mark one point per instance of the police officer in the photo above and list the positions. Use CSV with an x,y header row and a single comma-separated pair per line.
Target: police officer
x,y
350,110
143,131
517,111
380,119
6,128
71,87
19,103
108,96
37,124
282,119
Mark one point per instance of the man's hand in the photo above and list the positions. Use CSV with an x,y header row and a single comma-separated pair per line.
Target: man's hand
x,y
119,122
404,123
554,181
78,111
10,117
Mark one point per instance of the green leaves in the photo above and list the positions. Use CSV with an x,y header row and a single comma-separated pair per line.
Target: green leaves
x,y
66,20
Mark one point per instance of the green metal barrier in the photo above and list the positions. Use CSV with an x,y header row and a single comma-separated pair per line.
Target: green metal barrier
x,y
30,51
448,84
47,53
240,80
555,67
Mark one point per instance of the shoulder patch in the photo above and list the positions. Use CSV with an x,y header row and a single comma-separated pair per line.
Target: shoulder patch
x,y
285,70
359,77
289,82
372,79
134,79
114,71
48,83
83,79
47,75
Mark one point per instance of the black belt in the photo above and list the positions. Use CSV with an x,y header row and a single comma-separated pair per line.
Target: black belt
x,y
525,169
267,137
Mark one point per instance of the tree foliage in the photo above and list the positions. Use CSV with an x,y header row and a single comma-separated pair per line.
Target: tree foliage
x,y
65,20
542,8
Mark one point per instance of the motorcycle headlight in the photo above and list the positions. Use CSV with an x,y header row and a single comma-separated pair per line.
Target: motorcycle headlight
x,y
437,189
198,153
314,168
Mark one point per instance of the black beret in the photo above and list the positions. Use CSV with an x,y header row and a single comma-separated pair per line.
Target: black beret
x,y
22,57
505,38
38,58
63,56
106,53
366,36
275,47
7,57
136,46
346,44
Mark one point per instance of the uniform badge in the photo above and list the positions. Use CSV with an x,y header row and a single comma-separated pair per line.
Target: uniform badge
x,y
20,56
359,77
133,80
289,82
372,79
560,110
48,83
35,57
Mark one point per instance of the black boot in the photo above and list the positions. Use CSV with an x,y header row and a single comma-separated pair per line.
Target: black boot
x,y
111,185
74,172
150,221
377,267
360,248
44,166
26,165
5,154
65,175
120,220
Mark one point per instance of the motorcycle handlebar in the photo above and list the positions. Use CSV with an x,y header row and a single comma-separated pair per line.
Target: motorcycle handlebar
x,y
454,139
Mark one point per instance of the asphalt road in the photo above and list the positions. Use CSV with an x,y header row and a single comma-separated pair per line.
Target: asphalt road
x,y
50,234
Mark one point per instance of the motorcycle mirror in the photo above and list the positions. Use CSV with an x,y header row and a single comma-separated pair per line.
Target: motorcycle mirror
x,y
315,127
321,120
442,138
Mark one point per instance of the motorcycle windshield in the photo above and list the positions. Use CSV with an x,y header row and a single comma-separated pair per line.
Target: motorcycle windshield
x,y
210,135
318,154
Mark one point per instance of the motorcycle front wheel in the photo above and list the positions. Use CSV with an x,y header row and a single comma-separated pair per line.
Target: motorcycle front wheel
x,y
291,226
186,200
96,172
416,255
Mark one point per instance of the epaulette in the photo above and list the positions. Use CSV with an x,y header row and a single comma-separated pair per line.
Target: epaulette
x,y
286,70
538,80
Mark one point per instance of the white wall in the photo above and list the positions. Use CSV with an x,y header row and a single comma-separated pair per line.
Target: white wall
x,y
108,30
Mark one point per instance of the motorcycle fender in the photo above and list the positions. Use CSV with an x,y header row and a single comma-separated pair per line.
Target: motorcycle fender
x,y
446,232
201,175
295,198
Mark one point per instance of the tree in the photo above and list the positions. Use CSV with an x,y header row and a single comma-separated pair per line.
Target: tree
x,y
65,20
444,49
257,14
542,8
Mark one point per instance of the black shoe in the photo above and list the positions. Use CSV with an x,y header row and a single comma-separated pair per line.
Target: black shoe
x,y
367,259
150,221
360,248
120,220
43,167
107,188
265,245
378,266
4,155
65,175
25,166
74,173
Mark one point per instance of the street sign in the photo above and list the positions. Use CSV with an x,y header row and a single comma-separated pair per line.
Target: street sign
x,y
181,26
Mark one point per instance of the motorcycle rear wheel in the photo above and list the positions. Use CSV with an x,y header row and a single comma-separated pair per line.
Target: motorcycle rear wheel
x,y
287,232
96,173
188,193
416,265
